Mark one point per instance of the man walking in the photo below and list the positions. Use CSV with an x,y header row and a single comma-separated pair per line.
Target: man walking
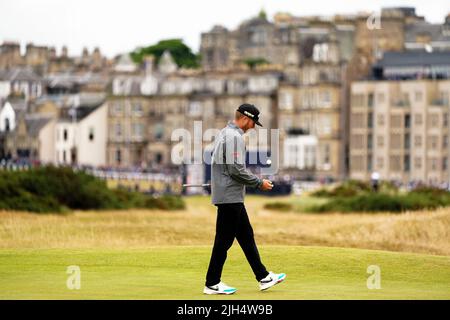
x,y
228,180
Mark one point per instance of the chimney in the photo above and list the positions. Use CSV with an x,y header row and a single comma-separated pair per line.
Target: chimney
x,y
52,52
148,64
64,52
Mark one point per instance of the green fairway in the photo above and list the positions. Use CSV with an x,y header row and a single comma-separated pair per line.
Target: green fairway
x,y
177,272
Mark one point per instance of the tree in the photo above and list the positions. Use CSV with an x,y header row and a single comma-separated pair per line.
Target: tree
x,y
254,62
181,53
262,14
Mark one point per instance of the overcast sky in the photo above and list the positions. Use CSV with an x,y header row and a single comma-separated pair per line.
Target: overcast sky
x,y
118,26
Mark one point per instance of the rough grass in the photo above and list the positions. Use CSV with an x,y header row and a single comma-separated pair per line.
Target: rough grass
x,y
125,254
419,231
178,273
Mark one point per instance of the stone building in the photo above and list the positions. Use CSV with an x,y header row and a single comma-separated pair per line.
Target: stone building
x,y
143,119
400,121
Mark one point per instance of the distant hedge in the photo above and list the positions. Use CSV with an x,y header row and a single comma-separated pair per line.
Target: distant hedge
x,y
356,196
418,199
60,189
279,206
353,188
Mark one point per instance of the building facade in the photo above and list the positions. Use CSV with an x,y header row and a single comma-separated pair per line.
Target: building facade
x,y
400,129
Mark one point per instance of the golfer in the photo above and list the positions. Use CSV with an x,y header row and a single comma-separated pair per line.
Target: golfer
x,y
228,180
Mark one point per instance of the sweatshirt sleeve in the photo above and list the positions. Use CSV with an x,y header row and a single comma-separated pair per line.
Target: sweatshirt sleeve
x,y
235,162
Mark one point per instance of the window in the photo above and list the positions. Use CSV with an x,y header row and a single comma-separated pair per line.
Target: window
x,y
445,141
356,163
326,98
444,97
370,100
405,97
380,120
433,164
286,101
434,120
310,157
380,98
380,141
118,130
370,120
159,131
417,141
286,123
357,100
444,163
257,36
380,162
159,158
137,109
195,108
396,140
117,108
433,142
64,156
445,119
396,121
7,125
407,142
357,141
91,134
327,154
118,156
324,124
394,163
406,163
320,52
138,130
417,162
65,138
407,121
418,96
418,119
369,163
357,120
369,141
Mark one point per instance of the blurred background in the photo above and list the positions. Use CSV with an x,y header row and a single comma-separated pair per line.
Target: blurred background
x,y
357,91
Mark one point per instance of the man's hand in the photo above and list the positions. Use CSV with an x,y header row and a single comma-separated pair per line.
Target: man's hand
x,y
266,185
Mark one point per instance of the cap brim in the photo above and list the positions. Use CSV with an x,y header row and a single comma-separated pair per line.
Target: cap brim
x,y
258,123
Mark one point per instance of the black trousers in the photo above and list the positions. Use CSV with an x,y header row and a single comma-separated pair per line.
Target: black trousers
x,y
233,222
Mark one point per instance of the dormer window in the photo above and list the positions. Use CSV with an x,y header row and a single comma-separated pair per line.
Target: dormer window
x,y
7,125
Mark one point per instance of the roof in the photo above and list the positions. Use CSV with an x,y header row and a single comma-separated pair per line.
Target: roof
x,y
69,80
57,99
435,31
421,58
19,106
35,122
254,22
21,74
219,29
81,111
86,99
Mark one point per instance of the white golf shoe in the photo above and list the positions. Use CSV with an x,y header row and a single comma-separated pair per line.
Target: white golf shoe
x,y
271,280
220,288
